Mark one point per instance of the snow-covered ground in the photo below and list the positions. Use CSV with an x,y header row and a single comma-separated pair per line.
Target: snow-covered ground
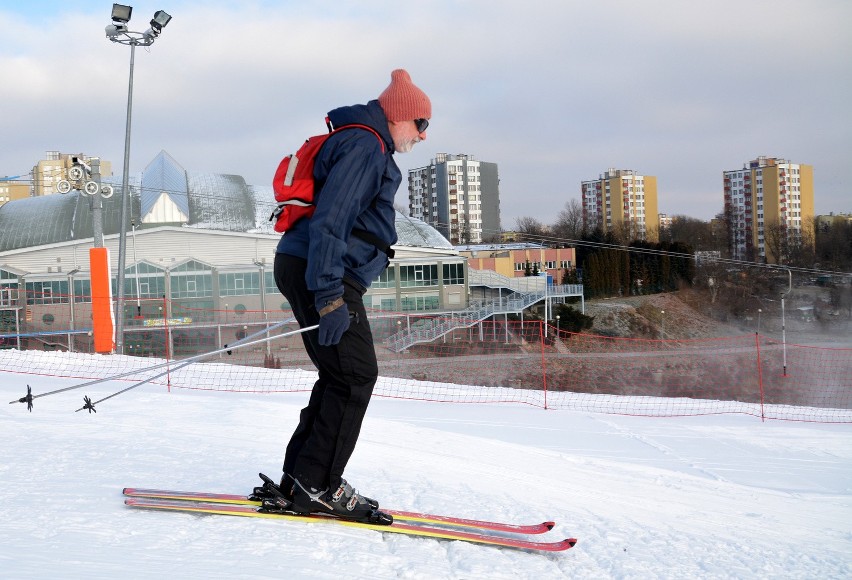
x,y
716,496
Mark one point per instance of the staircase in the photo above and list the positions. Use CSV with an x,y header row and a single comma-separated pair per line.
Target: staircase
x,y
526,292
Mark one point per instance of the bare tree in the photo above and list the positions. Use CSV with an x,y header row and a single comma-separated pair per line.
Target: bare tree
x,y
775,243
624,232
800,247
834,244
530,229
569,222
692,231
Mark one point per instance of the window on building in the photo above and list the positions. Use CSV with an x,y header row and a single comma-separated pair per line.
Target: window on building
x,y
239,283
386,279
418,275
454,273
413,303
8,288
83,290
151,281
192,280
47,292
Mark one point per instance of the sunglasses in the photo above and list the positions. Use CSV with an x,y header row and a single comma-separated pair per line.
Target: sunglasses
x,y
421,124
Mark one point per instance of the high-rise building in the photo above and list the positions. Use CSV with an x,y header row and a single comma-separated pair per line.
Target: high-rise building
x,y
51,170
623,202
769,205
458,196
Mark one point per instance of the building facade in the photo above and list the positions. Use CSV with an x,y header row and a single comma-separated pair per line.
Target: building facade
x,y
458,196
622,202
518,259
825,222
769,204
10,190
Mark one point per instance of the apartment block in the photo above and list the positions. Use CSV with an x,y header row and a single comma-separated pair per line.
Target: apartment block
x,y
623,202
769,206
458,196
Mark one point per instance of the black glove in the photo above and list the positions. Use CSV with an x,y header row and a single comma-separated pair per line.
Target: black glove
x,y
334,321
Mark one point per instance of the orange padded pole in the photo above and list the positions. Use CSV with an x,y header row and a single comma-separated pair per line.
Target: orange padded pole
x,y
103,323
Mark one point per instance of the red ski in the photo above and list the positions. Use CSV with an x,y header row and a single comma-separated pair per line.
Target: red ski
x,y
413,529
409,517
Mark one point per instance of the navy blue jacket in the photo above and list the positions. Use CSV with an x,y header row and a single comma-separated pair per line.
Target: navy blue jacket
x,y
356,185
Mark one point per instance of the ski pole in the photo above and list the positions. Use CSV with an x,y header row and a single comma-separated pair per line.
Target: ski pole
x,y
30,397
265,330
88,404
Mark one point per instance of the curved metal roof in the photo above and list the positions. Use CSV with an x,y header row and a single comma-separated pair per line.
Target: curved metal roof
x,y
37,221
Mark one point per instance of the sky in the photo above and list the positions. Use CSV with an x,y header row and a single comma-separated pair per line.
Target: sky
x,y
715,496
555,92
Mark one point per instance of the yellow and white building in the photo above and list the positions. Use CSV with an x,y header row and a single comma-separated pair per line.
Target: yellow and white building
x,y
623,202
769,206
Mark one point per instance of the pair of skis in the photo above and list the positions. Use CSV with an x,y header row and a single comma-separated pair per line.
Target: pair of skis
x,y
410,523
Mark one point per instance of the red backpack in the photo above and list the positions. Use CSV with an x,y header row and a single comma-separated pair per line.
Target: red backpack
x,y
294,179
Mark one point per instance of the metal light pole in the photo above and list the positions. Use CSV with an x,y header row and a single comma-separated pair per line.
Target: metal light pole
x,y
118,32
759,310
783,321
662,324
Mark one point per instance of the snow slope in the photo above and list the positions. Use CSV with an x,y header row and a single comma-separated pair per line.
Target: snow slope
x,y
714,497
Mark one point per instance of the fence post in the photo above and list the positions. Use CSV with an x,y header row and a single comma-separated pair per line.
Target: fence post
x,y
760,376
541,337
166,340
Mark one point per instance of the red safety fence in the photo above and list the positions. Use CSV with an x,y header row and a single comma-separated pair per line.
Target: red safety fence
x,y
453,360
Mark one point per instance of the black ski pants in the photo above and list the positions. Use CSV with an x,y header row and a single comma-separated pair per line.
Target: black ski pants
x,y
329,426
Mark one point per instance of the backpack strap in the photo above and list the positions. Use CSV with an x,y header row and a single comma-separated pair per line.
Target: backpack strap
x,y
333,129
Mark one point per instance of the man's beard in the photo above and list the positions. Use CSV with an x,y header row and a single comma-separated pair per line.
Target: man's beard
x,y
406,145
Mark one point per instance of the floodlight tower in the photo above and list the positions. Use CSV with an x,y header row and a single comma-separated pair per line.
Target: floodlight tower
x,y
118,32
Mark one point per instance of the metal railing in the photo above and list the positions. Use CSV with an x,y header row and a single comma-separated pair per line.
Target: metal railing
x,y
429,329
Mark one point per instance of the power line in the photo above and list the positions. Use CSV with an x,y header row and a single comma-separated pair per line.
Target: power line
x,y
549,239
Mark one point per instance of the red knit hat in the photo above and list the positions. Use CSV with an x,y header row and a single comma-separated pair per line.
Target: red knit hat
x,y
402,101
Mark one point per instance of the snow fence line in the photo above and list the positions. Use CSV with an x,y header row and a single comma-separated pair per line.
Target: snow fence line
x,y
526,364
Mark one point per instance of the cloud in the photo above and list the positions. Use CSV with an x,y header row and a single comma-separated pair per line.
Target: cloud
x,y
553,92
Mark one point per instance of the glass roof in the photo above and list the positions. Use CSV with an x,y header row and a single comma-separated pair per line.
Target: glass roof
x,y
164,175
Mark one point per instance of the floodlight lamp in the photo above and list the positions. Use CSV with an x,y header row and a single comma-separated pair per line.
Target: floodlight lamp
x,y
121,13
75,173
160,20
113,30
91,188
